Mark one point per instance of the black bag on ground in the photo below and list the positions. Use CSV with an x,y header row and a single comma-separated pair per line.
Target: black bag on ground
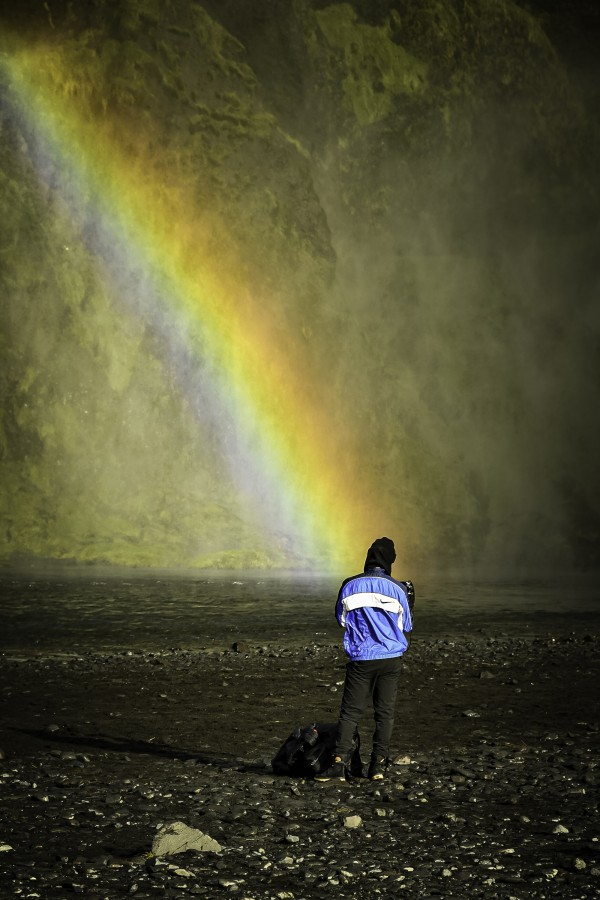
x,y
309,750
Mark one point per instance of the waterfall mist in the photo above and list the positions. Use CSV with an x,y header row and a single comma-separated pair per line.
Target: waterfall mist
x,y
401,199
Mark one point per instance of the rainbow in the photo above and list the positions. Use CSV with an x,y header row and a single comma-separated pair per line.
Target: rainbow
x,y
298,476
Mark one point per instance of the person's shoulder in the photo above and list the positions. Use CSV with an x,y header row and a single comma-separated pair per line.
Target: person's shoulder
x,y
399,584
347,581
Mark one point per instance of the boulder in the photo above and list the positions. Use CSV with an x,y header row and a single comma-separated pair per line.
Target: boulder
x,y
177,837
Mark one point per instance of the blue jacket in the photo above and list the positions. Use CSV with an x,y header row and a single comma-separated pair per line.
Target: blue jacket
x,y
373,608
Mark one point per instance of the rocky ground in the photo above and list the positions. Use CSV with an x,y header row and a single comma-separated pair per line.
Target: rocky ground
x,y
493,791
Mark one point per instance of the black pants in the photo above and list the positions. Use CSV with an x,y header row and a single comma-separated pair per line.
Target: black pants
x,y
375,680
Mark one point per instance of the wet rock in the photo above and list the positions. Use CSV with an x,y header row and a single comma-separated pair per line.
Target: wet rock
x,y
465,773
177,837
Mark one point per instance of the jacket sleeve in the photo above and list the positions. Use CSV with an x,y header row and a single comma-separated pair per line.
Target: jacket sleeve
x,y
407,625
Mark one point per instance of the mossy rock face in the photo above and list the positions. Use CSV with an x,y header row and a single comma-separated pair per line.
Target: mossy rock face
x,y
103,461
433,101
376,68
408,188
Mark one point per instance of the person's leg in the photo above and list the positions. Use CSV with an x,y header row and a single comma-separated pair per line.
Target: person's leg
x,y
358,686
384,701
357,693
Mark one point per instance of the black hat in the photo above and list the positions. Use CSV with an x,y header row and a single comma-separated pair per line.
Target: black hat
x,y
381,553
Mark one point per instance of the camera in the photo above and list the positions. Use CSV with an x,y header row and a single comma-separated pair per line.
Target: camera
x,y
410,594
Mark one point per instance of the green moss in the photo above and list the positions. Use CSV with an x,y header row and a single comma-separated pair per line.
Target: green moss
x,y
377,70
243,559
179,31
226,52
297,144
135,14
11,198
169,55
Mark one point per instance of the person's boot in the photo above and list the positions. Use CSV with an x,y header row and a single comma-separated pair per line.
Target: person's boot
x,y
377,768
335,772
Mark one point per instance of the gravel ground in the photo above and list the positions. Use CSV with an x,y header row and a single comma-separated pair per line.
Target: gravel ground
x,y
493,791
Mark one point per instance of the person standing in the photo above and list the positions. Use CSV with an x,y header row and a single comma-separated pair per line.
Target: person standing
x,y
376,612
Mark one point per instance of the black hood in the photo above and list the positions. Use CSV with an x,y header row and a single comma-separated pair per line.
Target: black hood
x,y
381,553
